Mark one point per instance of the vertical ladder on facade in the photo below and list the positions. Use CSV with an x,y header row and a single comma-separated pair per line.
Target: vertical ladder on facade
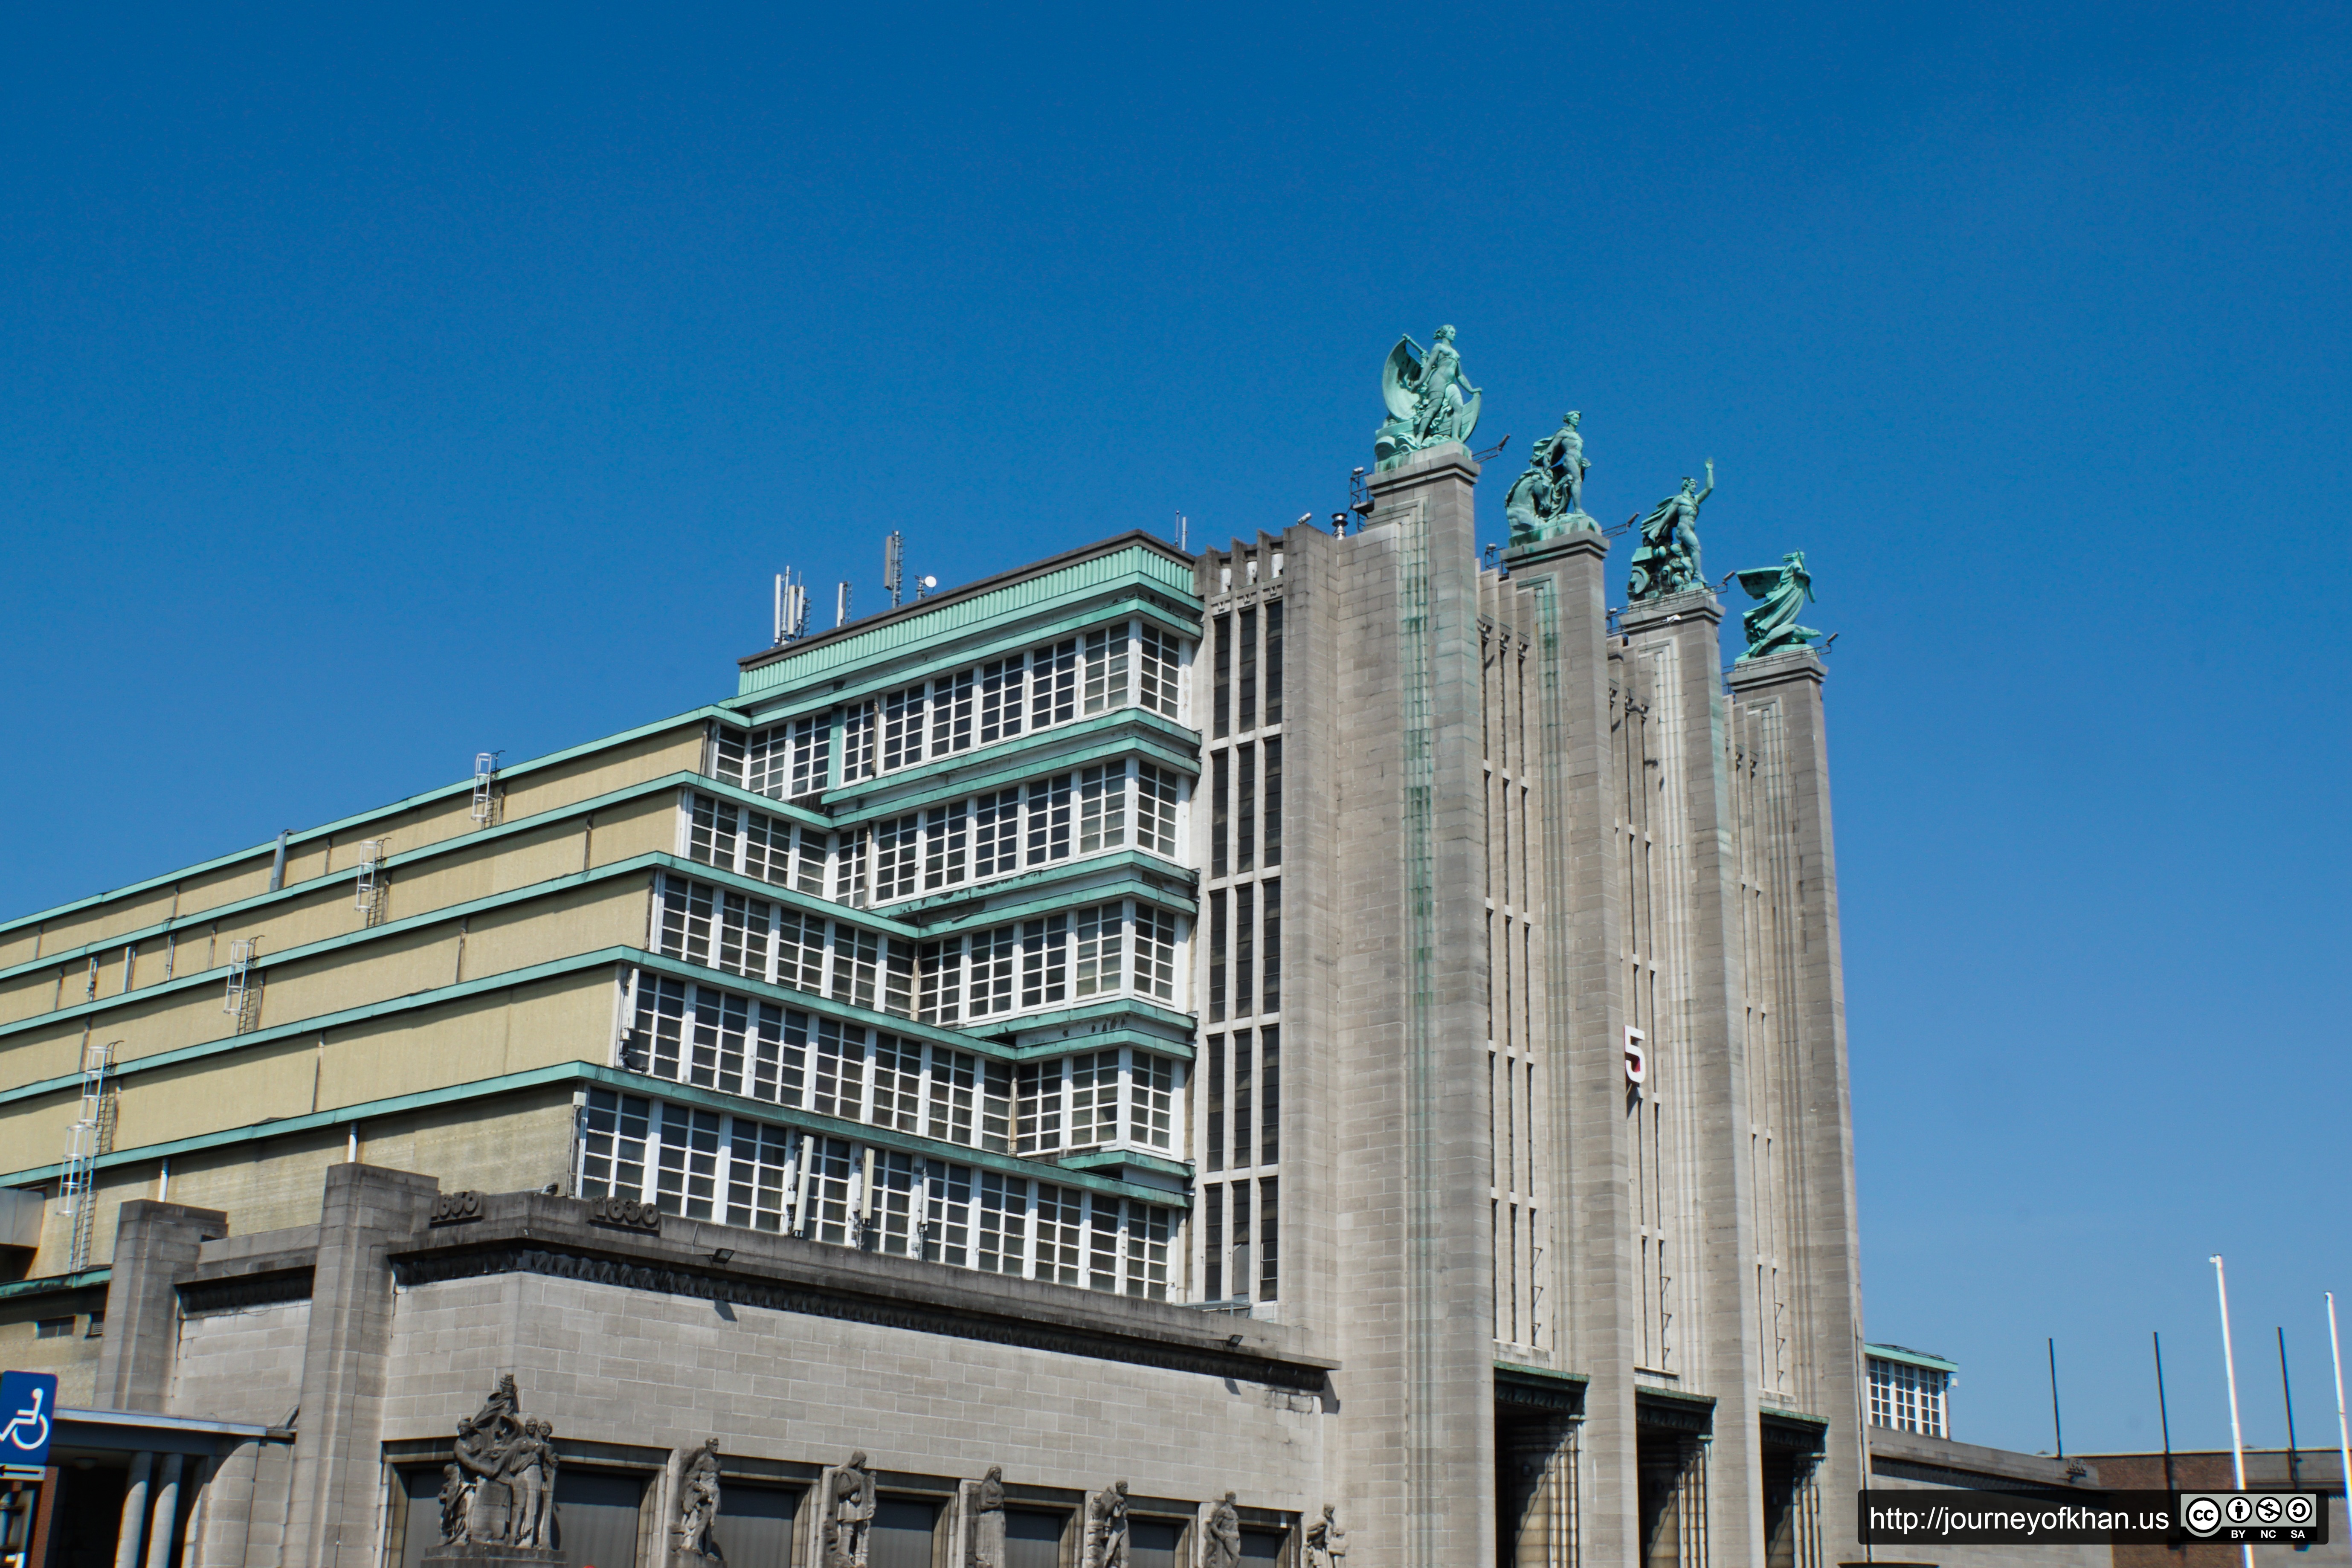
x,y
369,885
237,999
86,1140
486,795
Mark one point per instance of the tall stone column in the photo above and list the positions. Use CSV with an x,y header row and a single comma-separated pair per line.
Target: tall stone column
x,y
1702,1063
134,1511
1789,687
154,1249
1417,1393
166,1514
338,1470
1563,580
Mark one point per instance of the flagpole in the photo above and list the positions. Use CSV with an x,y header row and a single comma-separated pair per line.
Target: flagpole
x,y
2230,1364
2343,1433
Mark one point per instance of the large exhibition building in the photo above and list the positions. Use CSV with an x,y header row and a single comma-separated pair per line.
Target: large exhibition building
x,y
1321,1024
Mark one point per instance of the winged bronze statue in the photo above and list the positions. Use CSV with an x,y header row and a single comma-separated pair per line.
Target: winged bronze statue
x,y
1428,399
1786,589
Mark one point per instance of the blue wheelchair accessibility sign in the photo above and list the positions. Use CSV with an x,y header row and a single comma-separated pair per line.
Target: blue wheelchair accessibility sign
x,y
28,1408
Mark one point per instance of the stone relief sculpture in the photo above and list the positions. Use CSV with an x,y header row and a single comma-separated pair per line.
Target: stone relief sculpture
x,y
988,1520
1548,499
1666,561
1786,589
1222,1547
698,1506
500,1490
1327,1543
1428,400
848,1514
1107,1528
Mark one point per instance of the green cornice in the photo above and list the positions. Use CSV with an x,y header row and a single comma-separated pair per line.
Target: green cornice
x,y
1158,873
1048,588
1131,604
1016,760
648,862
58,1284
305,836
660,964
588,1073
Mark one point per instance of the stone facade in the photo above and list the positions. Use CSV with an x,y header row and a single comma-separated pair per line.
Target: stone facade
x,y
1336,1026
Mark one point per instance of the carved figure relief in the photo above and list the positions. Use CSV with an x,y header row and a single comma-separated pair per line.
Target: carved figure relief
x,y
500,1490
1107,1528
697,1504
1327,1543
988,1520
848,1514
1222,1549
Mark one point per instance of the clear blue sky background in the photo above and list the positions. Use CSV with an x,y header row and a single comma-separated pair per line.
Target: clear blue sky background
x,y
377,390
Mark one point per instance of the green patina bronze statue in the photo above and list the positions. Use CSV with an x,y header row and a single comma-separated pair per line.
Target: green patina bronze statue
x,y
1785,589
1548,499
1429,402
1666,561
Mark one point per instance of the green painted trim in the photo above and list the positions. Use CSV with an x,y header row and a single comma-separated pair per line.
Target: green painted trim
x,y
216,912
1106,1157
636,865
1134,560
423,1099
67,1083
620,1081
1138,862
1540,1374
305,836
1113,1007
1779,1414
857,799
600,958
1133,603
58,1284
1910,1357
671,782
1135,883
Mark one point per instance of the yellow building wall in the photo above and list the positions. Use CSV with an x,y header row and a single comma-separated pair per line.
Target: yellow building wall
x,y
329,863
73,1358
516,1142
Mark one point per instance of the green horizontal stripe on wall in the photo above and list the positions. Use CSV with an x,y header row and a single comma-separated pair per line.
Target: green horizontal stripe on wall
x,y
588,1073
334,829
657,964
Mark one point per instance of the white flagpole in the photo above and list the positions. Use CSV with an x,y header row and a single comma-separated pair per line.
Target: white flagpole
x,y
2343,1433
2230,1364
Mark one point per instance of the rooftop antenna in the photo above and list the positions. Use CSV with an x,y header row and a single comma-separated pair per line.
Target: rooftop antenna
x,y
792,607
841,604
893,566
1183,533
924,586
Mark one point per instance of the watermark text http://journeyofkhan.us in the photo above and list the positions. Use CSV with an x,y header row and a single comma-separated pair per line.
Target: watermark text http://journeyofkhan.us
x,y
2104,1518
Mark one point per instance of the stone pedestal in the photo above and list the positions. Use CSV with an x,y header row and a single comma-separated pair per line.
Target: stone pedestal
x,y
479,1554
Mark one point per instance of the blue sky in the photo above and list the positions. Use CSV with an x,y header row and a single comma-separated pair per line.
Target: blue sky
x,y
383,388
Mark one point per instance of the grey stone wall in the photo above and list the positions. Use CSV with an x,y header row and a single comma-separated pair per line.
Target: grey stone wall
x,y
618,1365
